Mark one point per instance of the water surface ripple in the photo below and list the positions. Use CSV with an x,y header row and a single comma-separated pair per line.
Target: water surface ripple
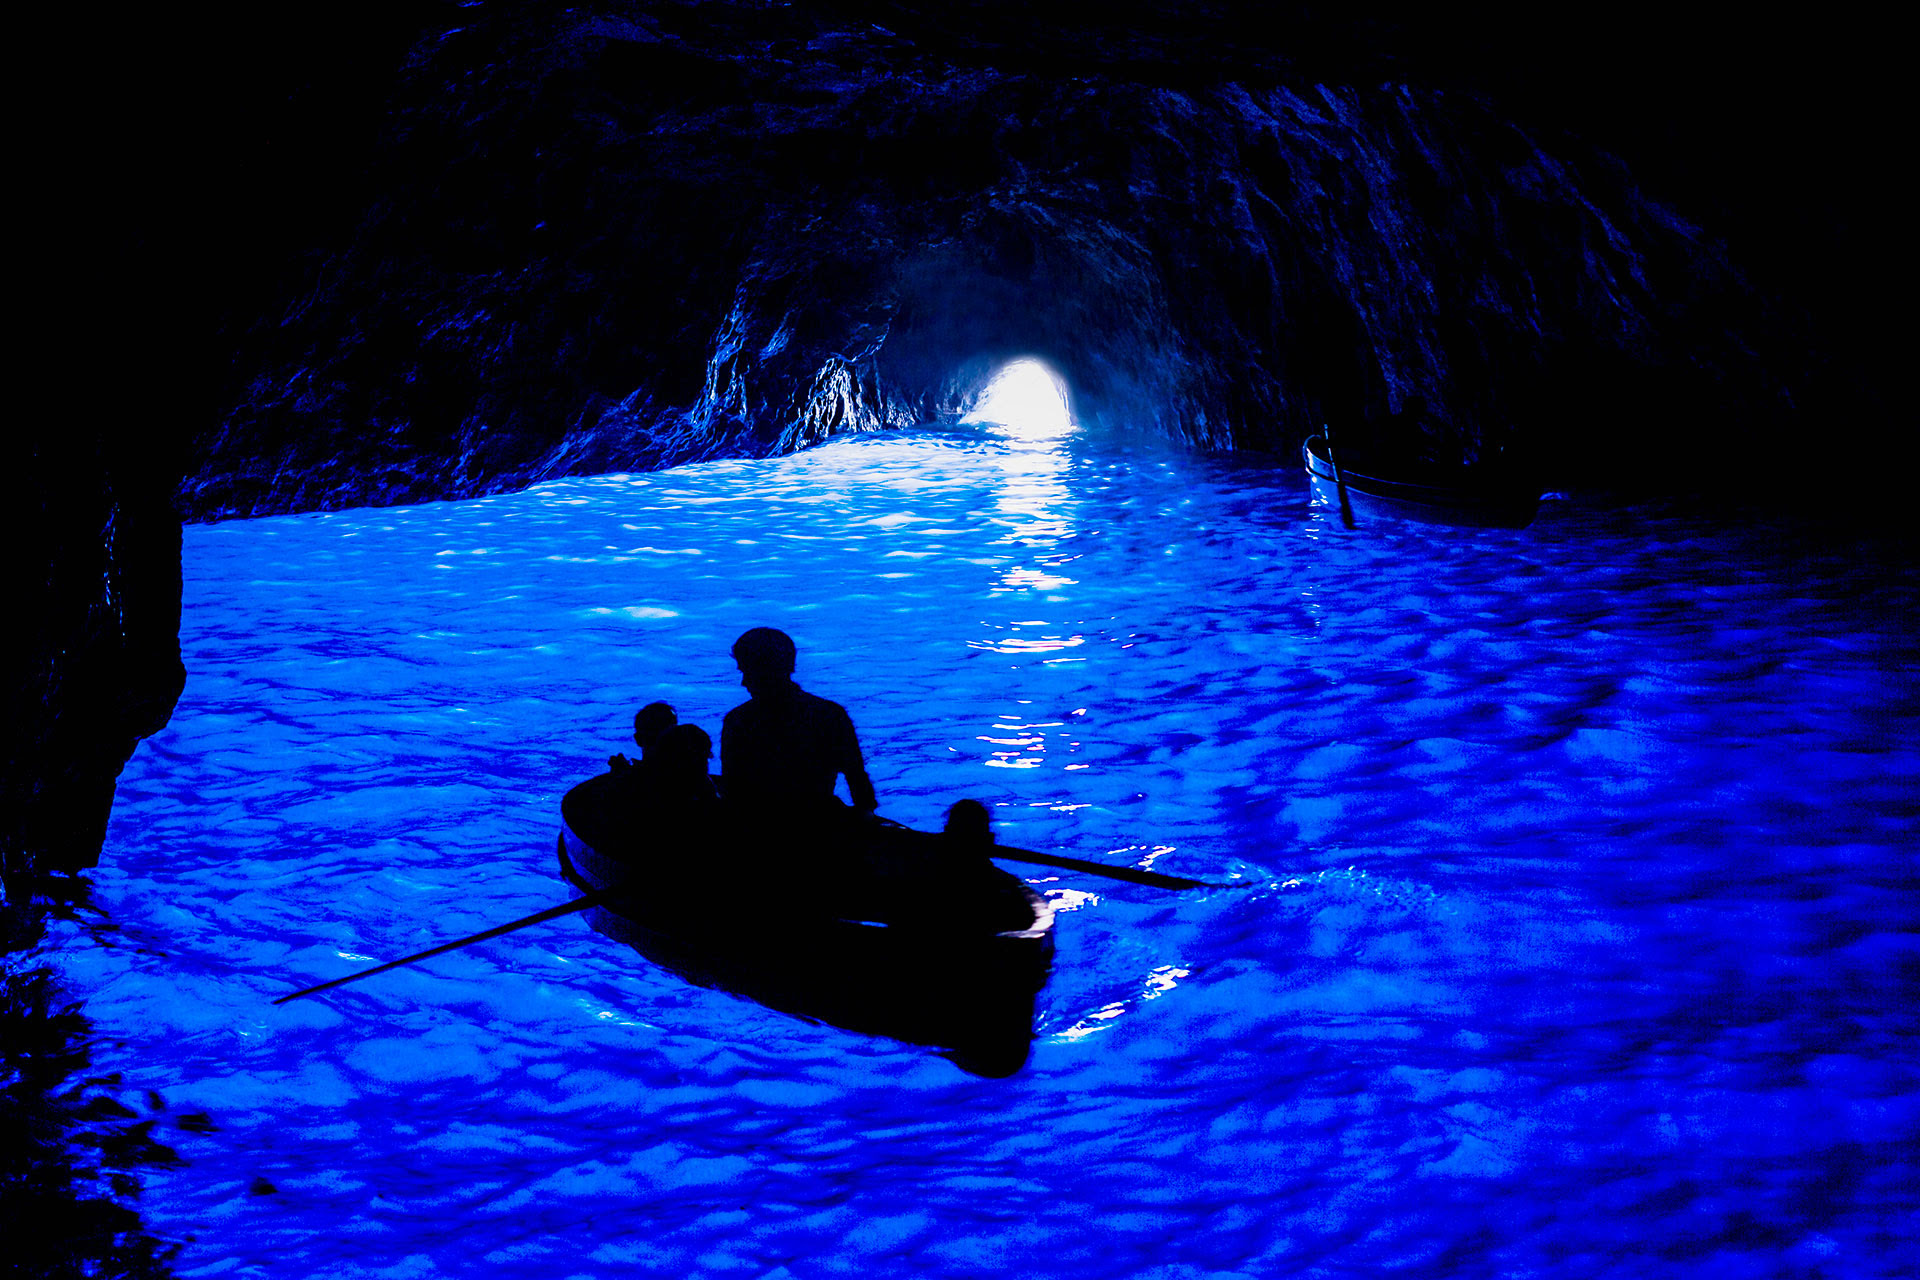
x,y
1575,931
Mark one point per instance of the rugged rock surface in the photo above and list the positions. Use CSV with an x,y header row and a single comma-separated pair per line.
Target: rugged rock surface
x,y
101,634
322,257
620,235
161,179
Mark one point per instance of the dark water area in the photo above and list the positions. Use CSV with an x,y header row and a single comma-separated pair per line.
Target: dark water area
x,y
1571,928
71,1153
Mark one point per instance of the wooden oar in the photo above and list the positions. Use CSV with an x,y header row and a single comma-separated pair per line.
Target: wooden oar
x,y
551,913
1133,875
1339,476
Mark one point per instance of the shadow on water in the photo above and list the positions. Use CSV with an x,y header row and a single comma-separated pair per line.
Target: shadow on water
x,y
71,1148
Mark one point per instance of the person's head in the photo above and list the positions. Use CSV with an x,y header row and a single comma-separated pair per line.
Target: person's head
x,y
765,658
969,825
683,750
650,722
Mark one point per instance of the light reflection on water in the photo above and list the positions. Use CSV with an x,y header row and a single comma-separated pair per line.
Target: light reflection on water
x,y
1575,936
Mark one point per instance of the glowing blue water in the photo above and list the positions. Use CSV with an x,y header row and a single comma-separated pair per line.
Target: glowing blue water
x,y
1576,936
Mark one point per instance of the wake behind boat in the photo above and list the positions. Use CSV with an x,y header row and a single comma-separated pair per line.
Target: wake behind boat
x,y
902,935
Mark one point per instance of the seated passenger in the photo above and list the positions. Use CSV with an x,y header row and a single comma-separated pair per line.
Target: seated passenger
x,y
649,723
678,777
678,807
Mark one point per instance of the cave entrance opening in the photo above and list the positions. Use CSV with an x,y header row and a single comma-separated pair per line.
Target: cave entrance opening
x,y
1027,399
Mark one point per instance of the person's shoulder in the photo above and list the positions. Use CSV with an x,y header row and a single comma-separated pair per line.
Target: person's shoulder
x,y
819,705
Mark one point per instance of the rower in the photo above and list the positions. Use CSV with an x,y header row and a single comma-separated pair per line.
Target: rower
x,y
964,889
783,750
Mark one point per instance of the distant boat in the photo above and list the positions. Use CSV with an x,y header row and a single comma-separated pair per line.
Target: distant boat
x,y
1365,497
916,948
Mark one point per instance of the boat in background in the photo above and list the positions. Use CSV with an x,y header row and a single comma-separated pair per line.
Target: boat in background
x,y
903,940
1363,497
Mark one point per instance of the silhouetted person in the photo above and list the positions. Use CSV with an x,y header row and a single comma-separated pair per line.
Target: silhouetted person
x,y
681,803
782,749
649,723
664,807
968,892
969,827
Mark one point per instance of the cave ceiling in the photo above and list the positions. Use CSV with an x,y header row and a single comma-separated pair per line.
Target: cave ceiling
x,y
550,239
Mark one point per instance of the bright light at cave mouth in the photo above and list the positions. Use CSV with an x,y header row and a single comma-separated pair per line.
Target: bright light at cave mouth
x,y
1028,399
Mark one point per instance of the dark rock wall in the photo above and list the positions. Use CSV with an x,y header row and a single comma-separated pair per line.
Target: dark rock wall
x,y
177,166
98,550
313,255
619,236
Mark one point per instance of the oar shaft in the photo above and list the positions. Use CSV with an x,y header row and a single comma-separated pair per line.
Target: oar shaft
x,y
1134,875
551,913
1339,477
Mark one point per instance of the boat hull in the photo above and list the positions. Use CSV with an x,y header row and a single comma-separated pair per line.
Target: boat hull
x,y
1369,497
879,963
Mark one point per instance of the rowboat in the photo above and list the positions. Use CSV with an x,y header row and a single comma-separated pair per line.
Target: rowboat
x,y
1362,497
895,934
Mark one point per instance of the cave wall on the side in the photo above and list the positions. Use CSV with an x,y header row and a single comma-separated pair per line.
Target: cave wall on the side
x,y
181,166
99,626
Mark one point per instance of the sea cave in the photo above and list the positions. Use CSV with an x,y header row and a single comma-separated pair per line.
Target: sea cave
x,y
1512,896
